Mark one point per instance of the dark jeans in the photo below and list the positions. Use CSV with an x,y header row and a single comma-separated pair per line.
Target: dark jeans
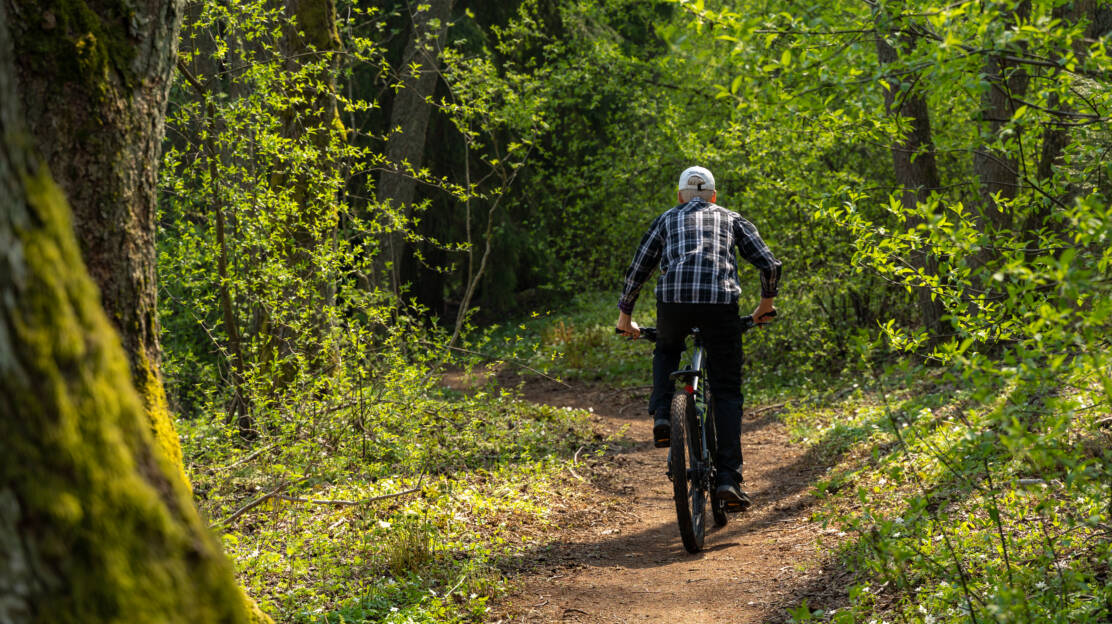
x,y
720,327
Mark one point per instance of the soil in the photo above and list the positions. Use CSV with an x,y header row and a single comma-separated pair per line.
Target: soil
x,y
617,556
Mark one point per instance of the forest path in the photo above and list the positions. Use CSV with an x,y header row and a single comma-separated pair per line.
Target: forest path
x,y
620,559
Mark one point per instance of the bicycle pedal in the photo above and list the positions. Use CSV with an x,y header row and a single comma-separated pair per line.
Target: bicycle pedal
x,y
736,506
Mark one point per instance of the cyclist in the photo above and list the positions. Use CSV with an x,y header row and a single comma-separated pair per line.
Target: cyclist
x,y
693,243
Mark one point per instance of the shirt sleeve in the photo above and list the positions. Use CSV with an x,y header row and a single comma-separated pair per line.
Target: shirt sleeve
x,y
644,263
754,250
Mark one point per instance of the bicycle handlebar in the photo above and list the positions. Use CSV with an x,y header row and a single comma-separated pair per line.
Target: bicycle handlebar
x,y
747,323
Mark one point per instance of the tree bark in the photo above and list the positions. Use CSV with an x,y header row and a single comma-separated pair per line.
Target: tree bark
x,y
1040,227
916,172
998,170
93,78
409,122
96,524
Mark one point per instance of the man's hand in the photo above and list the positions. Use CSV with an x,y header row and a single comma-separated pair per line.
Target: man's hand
x,y
627,326
760,315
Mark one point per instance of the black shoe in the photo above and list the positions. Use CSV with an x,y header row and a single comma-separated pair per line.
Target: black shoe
x,y
662,433
733,498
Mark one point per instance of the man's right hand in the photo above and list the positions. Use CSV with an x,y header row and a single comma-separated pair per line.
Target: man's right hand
x,y
764,312
627,326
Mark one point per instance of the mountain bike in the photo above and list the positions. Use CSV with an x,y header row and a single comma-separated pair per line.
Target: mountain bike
x,y
694,444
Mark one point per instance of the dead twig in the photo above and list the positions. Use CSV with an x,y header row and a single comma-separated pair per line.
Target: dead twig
x,y
240,462
344,503
493,358
574,462
631,389
625,407
766,408
277,493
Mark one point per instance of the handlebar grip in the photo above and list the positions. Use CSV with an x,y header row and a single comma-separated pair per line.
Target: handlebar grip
x,y
647,333
748,323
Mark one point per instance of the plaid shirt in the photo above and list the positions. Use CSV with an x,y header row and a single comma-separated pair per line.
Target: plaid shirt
x,y
694,245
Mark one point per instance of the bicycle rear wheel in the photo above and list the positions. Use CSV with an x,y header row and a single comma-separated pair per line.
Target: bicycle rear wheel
x,y
687,450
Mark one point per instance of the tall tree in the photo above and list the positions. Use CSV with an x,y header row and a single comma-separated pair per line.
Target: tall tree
x,y
93,78
997,169
95,523
409,119
913,157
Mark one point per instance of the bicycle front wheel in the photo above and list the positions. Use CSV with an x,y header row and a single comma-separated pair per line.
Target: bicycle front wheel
x,y
685,456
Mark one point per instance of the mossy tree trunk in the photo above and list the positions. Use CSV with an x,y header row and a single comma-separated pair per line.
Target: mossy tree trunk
x,y
93,78
311,45
95,523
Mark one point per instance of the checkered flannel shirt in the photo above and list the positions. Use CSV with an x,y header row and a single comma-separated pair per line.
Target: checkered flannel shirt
x,y
693,244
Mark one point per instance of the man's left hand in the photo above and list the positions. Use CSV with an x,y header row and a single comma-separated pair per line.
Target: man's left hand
x,y
627,326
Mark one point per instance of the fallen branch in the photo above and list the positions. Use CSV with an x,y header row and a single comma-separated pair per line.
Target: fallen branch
x,y
574,462
253,504
493,358
765,409
346,503
277,493
630,389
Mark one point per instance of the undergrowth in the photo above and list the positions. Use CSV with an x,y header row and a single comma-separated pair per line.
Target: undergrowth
x,y
578,342
465,482
964,504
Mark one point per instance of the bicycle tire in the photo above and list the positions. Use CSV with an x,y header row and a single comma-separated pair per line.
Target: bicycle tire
x,y
717,507
689,496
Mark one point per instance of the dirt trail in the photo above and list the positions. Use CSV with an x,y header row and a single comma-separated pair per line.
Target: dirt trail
x,y
623,561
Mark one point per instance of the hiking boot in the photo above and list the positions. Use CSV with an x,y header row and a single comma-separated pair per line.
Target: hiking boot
x,y
662,433
733,498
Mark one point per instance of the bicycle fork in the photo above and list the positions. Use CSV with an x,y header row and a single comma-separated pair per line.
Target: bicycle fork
x,y
703,471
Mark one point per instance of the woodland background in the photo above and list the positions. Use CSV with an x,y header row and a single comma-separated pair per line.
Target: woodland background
x,y
299,214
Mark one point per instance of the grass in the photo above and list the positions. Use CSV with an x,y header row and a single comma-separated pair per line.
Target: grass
x,y
577,342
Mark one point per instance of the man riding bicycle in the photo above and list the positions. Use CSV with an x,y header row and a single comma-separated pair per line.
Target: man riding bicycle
x,y
694,245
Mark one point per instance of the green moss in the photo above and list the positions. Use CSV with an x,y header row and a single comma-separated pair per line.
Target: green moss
x,y
115,529
149,383
78,40
317,21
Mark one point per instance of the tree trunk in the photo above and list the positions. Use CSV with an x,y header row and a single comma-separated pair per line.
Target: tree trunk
x,y
93,79
409,122
1040,227
916,171
998,170
96,524
314,39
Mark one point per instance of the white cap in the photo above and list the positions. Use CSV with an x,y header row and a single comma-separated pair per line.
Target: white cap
x,y
696,179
